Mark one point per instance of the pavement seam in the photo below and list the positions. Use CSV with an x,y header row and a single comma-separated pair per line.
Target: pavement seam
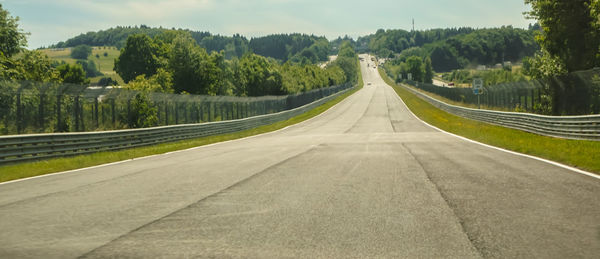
x,y
198,201
363,115
389,110
84,185
445,198
34,198
570,168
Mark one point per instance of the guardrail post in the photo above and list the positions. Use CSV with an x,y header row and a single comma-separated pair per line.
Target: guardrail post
x,y
96,112
166,112
210,111
112,112
185,113
102,114
81,115
176,113
41,113
19,114
532,99
59,126
222,111
76,115
202,111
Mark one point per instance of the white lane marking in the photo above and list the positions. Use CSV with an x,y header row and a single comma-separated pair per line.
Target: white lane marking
x,y
576,170
176,151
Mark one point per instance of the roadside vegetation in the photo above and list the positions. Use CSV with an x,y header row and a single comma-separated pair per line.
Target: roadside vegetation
x,y
193,70
177,62
506,74
559,58
571,152
24,170
454,48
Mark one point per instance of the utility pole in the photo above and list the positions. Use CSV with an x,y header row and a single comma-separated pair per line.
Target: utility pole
x,y
413,25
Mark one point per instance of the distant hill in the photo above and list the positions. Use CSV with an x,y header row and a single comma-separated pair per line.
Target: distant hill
x,y
297,47
453,48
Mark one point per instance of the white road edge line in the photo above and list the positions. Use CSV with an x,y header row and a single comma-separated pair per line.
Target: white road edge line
x,y
576,170
173,152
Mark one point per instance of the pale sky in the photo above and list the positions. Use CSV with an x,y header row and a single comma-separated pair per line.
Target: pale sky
x,y
51,21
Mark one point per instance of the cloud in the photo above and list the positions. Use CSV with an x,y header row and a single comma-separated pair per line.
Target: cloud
x,y
331,18
151,9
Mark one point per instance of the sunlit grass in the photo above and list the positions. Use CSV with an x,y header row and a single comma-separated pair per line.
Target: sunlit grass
x,y
104,64
578,153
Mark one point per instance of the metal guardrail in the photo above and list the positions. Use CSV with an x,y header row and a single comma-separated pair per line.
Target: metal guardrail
x,y
570,127
19,148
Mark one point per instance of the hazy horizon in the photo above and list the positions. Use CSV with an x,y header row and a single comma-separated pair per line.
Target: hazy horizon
x,y
59,20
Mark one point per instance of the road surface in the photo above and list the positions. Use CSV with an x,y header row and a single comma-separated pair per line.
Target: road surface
x,y
363,180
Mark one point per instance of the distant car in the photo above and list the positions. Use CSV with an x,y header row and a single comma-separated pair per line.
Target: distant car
x,y
369,83
450,84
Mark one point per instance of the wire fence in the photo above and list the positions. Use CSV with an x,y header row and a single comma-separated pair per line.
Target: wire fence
x,y
34,107
577,93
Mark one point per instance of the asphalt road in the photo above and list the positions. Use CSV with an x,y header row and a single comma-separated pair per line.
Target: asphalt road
x,y
364,179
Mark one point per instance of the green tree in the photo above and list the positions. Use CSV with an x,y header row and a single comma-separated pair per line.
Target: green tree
x,y
260,76
72,74
142,112
138,57
346,60
570,31
415,67
36,66
9,68
186,62
107,81
428,71
444,58
81,52
12,39
161,82
89,67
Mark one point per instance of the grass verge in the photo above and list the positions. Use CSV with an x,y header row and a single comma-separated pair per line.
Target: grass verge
x,y
19,171
578,153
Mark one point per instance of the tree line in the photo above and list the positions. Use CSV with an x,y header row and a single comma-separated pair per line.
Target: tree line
x,y
174,62
284,47
456,48
414,68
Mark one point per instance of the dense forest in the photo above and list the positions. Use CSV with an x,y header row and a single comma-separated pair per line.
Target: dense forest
x,y
174,62
451,49
296,47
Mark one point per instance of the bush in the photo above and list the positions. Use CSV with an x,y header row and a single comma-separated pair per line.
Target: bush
x,y
81,52
142,113
90,68
106,81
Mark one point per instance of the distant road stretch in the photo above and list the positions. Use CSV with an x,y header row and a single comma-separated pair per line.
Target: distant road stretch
x,y
365,179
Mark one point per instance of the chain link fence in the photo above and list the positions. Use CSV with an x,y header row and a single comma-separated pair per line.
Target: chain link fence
x,y
34,107
577,93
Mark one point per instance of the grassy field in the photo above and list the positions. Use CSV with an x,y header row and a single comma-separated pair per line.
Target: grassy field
x,y
19,171
104,64
578,153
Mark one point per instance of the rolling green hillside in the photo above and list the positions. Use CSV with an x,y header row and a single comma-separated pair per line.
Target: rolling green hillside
x,y
105,64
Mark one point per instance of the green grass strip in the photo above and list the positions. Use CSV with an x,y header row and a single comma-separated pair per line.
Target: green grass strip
x,y
24,170
582,154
